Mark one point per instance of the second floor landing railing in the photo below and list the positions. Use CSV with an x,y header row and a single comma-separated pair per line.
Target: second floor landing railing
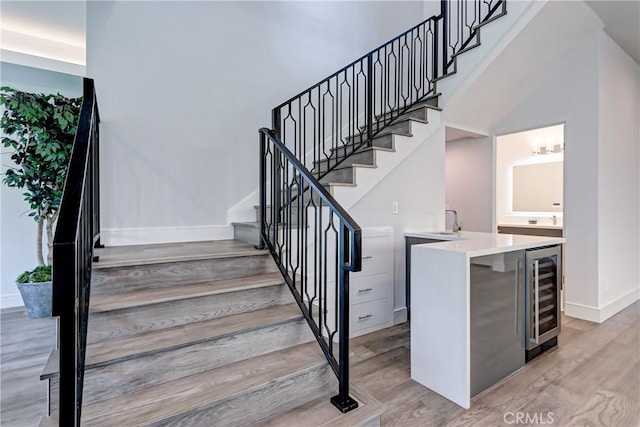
x,y
344,112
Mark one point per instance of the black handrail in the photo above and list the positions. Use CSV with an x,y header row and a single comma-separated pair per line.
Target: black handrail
x,y
303,236
77,232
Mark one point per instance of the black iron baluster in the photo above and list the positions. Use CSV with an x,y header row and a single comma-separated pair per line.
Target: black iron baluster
x,y
369,120
445,35
276,120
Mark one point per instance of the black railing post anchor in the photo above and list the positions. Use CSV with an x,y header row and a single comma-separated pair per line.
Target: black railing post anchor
x,y
263,191
342,400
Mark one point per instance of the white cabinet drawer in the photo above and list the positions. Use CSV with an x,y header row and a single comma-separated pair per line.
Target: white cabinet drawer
x,y
377,255
369,314
369,288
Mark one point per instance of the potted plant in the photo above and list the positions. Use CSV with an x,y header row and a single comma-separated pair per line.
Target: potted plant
x,y
39,129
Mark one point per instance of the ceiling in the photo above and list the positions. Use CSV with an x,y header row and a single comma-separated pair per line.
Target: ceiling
x,y
622,23
64,21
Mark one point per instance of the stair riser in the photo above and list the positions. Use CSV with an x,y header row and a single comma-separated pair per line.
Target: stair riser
x,y
339,175
131,321
363,158
124,279
246,234
110,381
383,141
295,213
402,126
259,403
420,113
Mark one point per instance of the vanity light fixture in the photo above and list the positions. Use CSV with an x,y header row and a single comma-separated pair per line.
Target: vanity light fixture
x,y
543,149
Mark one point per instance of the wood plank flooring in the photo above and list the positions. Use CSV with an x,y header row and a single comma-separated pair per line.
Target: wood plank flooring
x,y
24,348
591,379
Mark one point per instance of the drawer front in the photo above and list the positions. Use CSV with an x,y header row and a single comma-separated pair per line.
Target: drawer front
x,y
377,255
369,288
370,314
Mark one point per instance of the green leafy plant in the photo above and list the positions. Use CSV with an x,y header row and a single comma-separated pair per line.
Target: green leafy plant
x,y
39,129
41,273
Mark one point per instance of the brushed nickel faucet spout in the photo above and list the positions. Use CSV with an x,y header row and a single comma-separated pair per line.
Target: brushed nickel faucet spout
x,y
455,227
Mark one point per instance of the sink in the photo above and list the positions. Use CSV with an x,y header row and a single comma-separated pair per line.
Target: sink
x,y
446,233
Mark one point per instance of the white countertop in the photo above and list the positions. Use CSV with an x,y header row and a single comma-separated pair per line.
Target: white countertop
x,y
477,244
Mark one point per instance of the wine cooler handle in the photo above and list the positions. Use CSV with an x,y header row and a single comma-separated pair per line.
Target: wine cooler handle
x,y
515,324
537,300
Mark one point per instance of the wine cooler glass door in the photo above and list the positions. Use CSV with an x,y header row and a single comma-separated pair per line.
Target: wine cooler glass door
x,y
543,299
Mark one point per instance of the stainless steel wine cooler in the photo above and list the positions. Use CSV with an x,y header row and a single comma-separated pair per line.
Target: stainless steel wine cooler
x,y
542,299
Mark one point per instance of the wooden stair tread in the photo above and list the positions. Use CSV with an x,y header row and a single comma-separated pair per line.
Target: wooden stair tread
x,y
163,339
117,301
198,391
122,256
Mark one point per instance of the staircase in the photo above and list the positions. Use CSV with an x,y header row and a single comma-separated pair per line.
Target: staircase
x,y
167,345
225,334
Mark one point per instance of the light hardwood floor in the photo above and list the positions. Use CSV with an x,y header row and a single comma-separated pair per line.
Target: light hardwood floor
x,y
24,348
591,379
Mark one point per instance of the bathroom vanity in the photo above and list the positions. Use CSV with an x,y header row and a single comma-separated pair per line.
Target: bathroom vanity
x,y
469,326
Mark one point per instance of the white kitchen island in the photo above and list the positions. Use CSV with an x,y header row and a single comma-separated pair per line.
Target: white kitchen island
x,y
440,307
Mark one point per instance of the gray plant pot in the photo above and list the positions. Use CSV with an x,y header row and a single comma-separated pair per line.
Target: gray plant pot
x,y
37,298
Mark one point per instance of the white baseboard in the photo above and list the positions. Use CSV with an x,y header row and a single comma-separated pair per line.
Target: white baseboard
x,y
399,315
11,300
140,236
600,314
581,311
619,304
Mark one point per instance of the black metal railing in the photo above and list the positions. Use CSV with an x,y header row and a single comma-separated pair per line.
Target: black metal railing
x,y
342,113
461,21
77,233
315,244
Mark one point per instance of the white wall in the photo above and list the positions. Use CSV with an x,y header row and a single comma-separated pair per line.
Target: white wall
x,y
618,191
417,185
490,85
601,145
518,148
469,182
182,96
17,230
567,92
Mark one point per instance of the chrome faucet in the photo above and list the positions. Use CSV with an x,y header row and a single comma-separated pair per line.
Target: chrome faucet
x,y
456,227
